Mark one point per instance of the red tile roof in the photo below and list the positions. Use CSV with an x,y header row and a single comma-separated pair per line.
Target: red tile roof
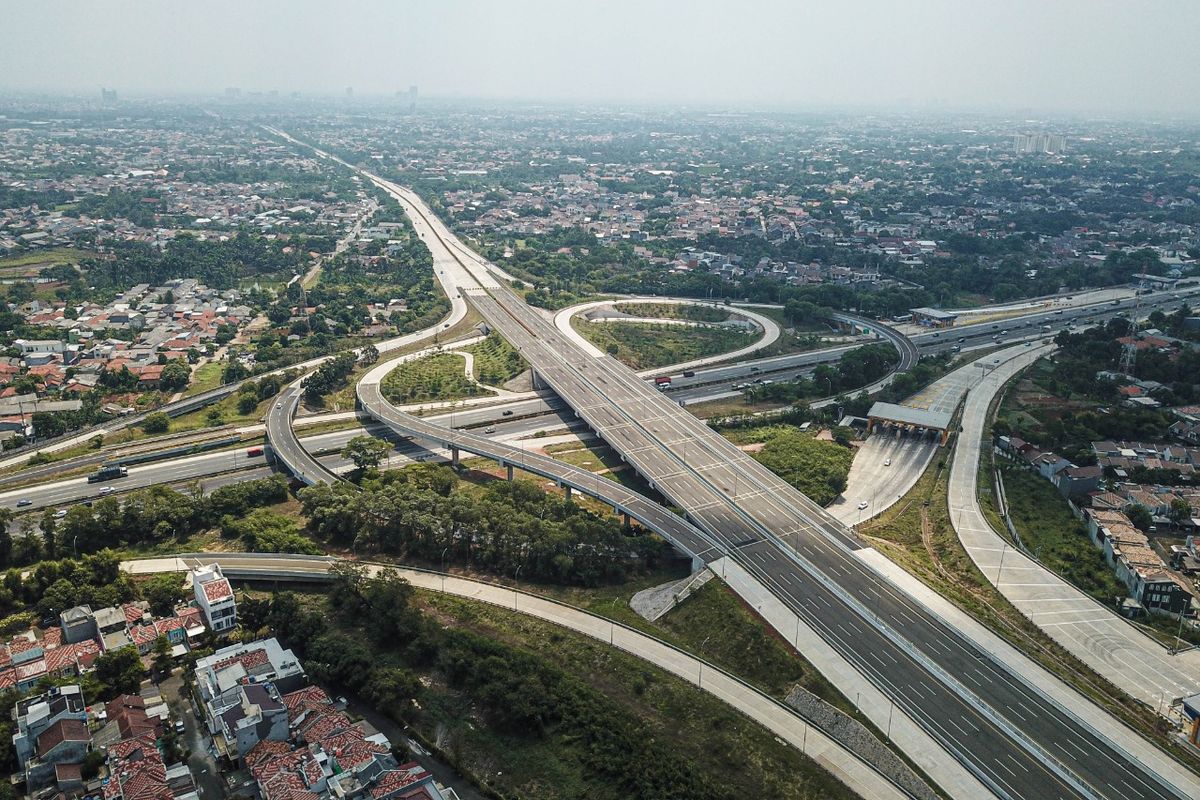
x,y
396,779
248,659
218,590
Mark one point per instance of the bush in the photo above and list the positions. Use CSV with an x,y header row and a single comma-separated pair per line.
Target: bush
x,y
158,422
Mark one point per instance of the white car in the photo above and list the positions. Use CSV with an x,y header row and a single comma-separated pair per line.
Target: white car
x,y
862,505
489,429
62,512
107,490
887,462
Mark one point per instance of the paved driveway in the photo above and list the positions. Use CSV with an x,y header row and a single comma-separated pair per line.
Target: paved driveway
x,y
205,771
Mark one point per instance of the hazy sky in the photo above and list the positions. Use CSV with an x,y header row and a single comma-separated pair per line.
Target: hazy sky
x,y
1105,56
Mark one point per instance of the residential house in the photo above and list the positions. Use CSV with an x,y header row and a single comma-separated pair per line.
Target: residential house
x,y
214,597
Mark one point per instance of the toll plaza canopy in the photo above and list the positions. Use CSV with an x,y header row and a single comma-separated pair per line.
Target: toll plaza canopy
x,y
909,417
934,317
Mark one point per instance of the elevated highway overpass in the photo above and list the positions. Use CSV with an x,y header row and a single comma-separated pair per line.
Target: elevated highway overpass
x,y
1014,739
932,673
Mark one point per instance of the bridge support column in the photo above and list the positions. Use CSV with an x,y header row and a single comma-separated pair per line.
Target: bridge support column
x,y
624,520
536,380
509,469
454,456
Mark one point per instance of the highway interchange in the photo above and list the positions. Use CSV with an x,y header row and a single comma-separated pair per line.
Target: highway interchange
x,y
1015,740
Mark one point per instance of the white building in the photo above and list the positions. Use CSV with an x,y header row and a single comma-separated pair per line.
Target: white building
x,y
215,598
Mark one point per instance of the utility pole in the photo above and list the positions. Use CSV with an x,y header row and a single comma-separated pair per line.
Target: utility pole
x,y
1128,361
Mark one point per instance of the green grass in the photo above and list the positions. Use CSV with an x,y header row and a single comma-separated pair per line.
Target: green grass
x,y
56,255
648,346
720,744
673,311
205,377
595,456
496,361
817,468
1059,540
226,409
436,377
716,625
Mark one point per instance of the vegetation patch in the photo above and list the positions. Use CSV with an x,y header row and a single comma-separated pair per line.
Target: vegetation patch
x,y
1052,534
528,708
649,346
440,376
694,313
496,361
513,528
816,468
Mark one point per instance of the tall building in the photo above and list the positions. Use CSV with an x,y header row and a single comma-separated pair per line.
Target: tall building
x,y
108,96
215,598
1039,143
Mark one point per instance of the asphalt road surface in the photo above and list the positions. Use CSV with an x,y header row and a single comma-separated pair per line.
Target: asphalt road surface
x,y
1020,744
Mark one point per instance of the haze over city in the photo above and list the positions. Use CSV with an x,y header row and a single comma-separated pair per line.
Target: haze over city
x,y
1099,57
562,400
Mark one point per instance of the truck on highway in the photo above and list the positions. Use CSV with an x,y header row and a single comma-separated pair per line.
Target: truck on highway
x,y
663,383
108,472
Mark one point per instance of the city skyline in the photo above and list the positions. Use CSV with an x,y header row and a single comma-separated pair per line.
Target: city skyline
x,y
1069,58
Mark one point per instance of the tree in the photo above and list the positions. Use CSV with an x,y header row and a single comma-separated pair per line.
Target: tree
x,y
164,592
368,355
247,403
366,452
175,376
1139,515
119,672
390,687
6,542
1180,510
162,656
48,526
158,422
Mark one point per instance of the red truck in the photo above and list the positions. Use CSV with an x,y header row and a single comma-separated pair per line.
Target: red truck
x,y
663,382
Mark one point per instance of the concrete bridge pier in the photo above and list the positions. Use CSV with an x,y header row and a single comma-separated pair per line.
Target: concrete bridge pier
x,y
454,456
509,470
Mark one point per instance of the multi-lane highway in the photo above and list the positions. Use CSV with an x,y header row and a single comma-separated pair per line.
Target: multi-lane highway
x,y
1017,742
286,447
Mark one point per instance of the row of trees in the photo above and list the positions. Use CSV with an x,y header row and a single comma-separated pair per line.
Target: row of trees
x,y
508,528
855,369
218,263
146,516
329,377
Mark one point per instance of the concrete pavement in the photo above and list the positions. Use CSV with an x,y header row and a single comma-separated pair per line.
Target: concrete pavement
x,y
878,483
562,321
1090,631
